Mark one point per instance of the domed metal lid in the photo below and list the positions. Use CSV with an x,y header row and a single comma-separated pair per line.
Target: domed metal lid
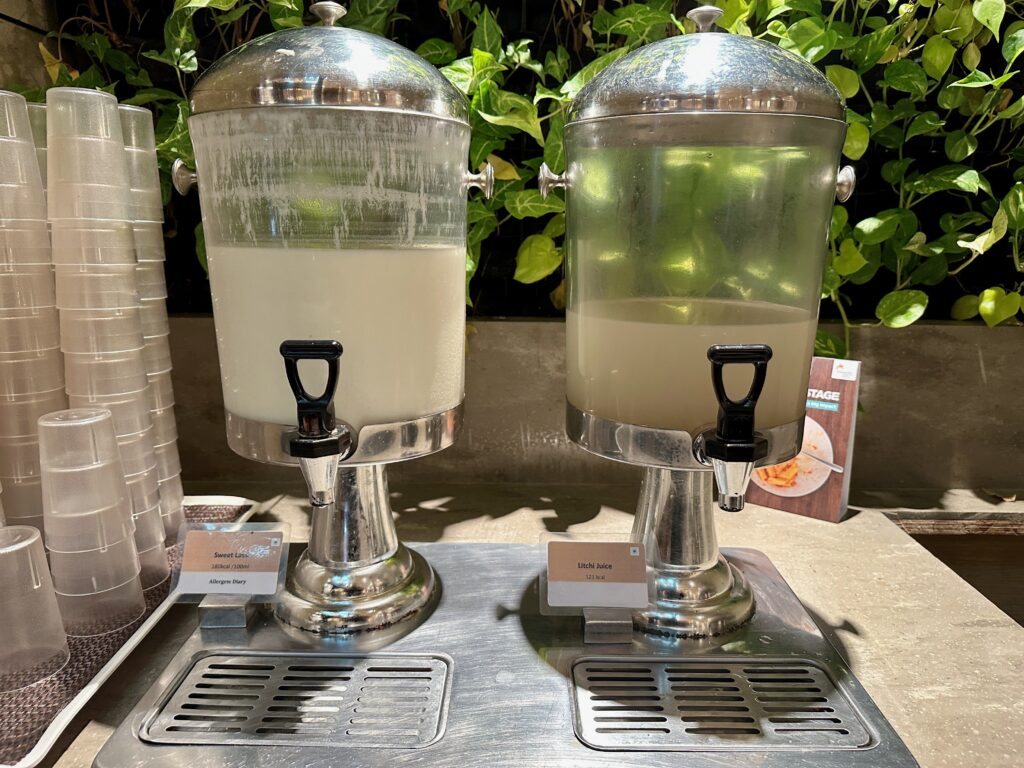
x,y
708,72
327,66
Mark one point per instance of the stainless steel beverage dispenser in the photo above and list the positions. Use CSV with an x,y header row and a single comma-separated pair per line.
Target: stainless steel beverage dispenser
x,y
701,173
331,171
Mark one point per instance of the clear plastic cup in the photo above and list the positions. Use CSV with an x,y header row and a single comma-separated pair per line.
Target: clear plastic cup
x,y
21,187
37,120
152,283
140,153
153,566
161,391
78,438
19,458
149,528
86,166
85,490
28,330
96,286
143,489
157,354
137,453
93,242
94,570
101,331
172,507
165,429
153,313
24,241
103,375
149,241
32,640
19,414
23,500
26,286
27,373
130,411
168,463
101,612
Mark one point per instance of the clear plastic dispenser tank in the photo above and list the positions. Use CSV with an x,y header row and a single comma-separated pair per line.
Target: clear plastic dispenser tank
x,y
700,183
333,187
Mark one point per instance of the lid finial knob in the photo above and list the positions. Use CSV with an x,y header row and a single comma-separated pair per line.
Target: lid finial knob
x,y
328,12
704,17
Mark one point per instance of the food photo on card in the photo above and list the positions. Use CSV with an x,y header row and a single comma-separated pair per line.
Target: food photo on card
x,y
816,482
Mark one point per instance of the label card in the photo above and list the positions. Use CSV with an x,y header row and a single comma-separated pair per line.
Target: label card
x,y
232,562
593,574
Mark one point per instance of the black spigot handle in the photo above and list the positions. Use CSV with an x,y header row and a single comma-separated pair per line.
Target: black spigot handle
x,y
734,438
315,412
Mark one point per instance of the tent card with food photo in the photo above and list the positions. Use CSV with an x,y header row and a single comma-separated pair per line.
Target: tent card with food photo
x,y
816,482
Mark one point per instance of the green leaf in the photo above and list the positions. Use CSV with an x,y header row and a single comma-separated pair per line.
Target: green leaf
x,y
899,309
971,56
528,203
437,51
981,243
460,73
856,144
555,226
926,122
487,34
849,258
838,222
572,86
978,79
284,14
965,307
369,15
518,54
869,49
878,229
230,17
1013,45
947,177
537,258
960,145
830,281
151,95
996,305
936,56
500,107
200,236
906,76
556,64
1013,205
990,13
845,80
554,144
931,271
828,345
485,67
810,38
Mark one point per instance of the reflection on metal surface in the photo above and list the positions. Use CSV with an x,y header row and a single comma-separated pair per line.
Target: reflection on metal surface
x,y
359,702
666,448
505,654
377,443
720,704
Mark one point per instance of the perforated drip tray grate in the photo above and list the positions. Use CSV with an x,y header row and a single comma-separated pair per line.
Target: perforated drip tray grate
x,y
380,700
712,704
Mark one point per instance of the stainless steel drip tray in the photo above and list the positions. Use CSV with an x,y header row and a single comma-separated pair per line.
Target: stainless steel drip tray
x,y
504,686
384,700
722,704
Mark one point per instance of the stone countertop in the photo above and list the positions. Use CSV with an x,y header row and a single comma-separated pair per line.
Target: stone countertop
x,y
943,664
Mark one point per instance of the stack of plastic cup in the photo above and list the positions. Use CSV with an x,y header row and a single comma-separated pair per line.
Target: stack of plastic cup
x,y
37,119
31,369
91,533
147,210
32,640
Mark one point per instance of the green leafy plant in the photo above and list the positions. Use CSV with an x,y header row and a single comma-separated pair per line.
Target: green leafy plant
x,y
935,123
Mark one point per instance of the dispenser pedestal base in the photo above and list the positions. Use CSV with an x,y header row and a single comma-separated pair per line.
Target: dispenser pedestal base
x,y
386,599
489,681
